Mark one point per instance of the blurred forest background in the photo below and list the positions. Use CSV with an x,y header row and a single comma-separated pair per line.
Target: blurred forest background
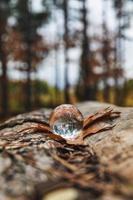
x,y
64,51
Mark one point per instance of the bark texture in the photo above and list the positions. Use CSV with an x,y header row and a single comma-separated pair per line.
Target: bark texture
x,y
31,166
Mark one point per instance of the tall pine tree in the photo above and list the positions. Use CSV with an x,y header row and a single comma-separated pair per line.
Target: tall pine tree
x,y
28,23
5,12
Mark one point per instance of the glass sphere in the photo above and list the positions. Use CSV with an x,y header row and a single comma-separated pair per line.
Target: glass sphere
x,y
67,121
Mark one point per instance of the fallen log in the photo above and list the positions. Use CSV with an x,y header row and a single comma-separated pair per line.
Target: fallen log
x,y
34,166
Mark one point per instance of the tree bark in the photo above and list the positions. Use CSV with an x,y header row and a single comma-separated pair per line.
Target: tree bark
x,y
119,9
4,80
66,40
28,89
105,55
86,79
27,159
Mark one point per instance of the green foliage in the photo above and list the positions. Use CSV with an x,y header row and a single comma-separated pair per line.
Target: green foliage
x,y
129,85
16,96
43,95
41,87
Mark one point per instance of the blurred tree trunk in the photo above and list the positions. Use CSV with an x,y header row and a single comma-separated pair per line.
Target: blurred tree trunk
x,y
56,53
56,77
4,14
105,55
86,73
4,79
66,48
119,6
27,24
28,101
116,77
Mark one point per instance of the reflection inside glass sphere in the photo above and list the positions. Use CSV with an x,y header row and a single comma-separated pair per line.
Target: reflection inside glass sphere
x,y
67,121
